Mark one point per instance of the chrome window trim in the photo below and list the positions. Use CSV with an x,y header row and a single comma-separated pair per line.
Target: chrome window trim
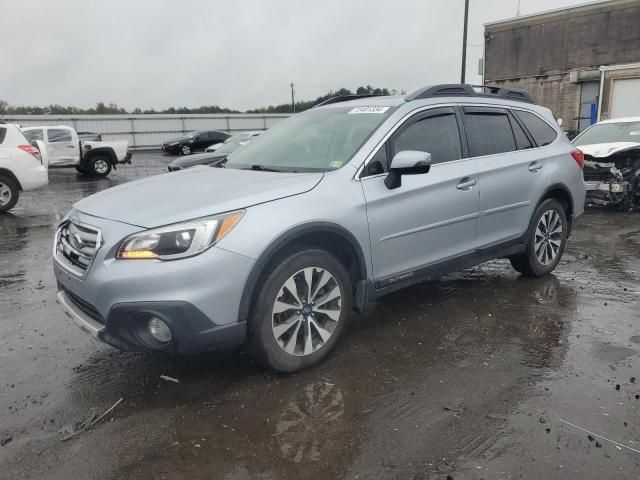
x,y
61,261
418,110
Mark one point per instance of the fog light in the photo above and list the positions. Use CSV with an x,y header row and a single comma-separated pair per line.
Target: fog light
x,y
159,330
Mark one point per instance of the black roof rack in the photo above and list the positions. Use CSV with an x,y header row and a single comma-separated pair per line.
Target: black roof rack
x,y
466,90
346,98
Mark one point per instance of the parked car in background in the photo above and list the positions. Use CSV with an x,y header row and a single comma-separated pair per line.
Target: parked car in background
x,y
65,149
236,137
213,157
326,211
22,166
194,142
612,162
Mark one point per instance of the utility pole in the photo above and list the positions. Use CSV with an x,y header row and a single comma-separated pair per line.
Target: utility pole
x,y
464,42
293,98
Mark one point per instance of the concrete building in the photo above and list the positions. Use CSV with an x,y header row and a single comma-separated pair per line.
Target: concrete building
x,y
582,62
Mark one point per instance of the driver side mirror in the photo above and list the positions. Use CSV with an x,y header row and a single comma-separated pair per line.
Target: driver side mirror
x,y
407,162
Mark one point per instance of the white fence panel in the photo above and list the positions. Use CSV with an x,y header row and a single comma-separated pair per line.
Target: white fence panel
x,y
150,131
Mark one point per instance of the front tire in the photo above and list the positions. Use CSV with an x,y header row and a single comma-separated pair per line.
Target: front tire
x,y
100,166
185,150
546,240
9,193
300,311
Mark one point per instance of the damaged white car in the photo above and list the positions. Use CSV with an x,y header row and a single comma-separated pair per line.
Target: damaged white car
x,y
612,162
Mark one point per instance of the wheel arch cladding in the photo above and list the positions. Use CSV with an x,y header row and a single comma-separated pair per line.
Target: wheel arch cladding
x,y
323,235
101,152
561,193
9,174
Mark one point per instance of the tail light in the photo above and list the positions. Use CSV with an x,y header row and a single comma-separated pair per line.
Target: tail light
x,y
30,149
578,156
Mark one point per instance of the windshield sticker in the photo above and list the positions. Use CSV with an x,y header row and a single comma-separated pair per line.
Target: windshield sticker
x,y
634,133
335,164
368,110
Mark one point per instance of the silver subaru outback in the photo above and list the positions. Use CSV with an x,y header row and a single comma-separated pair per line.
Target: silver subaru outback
x,y
325,212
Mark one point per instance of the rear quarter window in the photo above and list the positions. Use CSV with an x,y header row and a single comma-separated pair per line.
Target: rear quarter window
x,y
541,131
3,134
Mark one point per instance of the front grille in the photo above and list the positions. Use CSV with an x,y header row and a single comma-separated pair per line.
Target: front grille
x,y
76,245
86,307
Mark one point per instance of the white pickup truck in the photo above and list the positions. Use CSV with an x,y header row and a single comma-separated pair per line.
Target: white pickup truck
x,y
64,149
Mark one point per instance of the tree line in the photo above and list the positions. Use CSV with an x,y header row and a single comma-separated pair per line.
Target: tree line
x,y
103,108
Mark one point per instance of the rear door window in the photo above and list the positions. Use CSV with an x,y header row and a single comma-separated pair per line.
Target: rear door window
x,y
488,131
541,131
58,135
3,134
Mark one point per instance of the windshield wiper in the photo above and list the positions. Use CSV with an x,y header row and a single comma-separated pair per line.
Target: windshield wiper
x,y
262,168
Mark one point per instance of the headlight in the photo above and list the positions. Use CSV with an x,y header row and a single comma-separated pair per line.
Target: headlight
x,y
179,240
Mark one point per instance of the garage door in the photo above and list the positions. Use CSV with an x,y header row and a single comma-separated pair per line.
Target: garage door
x,y
625,101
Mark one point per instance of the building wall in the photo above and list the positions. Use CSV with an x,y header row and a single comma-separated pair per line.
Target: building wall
x,y
568,40
555,92
550,54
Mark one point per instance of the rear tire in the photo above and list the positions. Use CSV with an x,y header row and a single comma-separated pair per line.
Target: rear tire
x,y
100,166
9,193
546,240
289,331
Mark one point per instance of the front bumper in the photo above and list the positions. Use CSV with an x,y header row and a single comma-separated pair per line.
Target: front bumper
x,y
198,297
126,326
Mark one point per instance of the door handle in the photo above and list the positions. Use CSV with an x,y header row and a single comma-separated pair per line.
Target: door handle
x,y
466,183
71,146
535,167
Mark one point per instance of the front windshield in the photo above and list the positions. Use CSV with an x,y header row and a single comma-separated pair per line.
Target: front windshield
x,y
234,143
316,140
610,133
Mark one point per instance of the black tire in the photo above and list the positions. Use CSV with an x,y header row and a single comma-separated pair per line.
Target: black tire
x,y
528,263
262,343
99,166
10,193
185,150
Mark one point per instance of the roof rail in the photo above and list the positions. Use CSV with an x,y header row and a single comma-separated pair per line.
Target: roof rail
x,y
346,98
464,89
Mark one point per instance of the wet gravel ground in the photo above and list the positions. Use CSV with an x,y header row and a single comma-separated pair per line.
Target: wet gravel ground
x,y
472,376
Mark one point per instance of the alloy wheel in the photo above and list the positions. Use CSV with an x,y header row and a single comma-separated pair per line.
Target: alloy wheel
x,y
306,311
548,237
100,166
5,194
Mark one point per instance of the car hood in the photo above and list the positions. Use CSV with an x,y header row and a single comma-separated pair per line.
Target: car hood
x,y
193,193
603,150
199,159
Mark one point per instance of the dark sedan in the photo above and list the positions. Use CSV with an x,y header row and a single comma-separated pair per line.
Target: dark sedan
x,y
216,157
194,142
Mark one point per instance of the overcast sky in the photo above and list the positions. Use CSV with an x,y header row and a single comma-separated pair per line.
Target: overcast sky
x,y
238,54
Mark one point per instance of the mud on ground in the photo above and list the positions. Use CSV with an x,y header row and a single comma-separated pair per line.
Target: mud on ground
x,y
467,377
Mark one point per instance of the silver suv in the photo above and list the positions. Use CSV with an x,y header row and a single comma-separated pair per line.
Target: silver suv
x,y
328,210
